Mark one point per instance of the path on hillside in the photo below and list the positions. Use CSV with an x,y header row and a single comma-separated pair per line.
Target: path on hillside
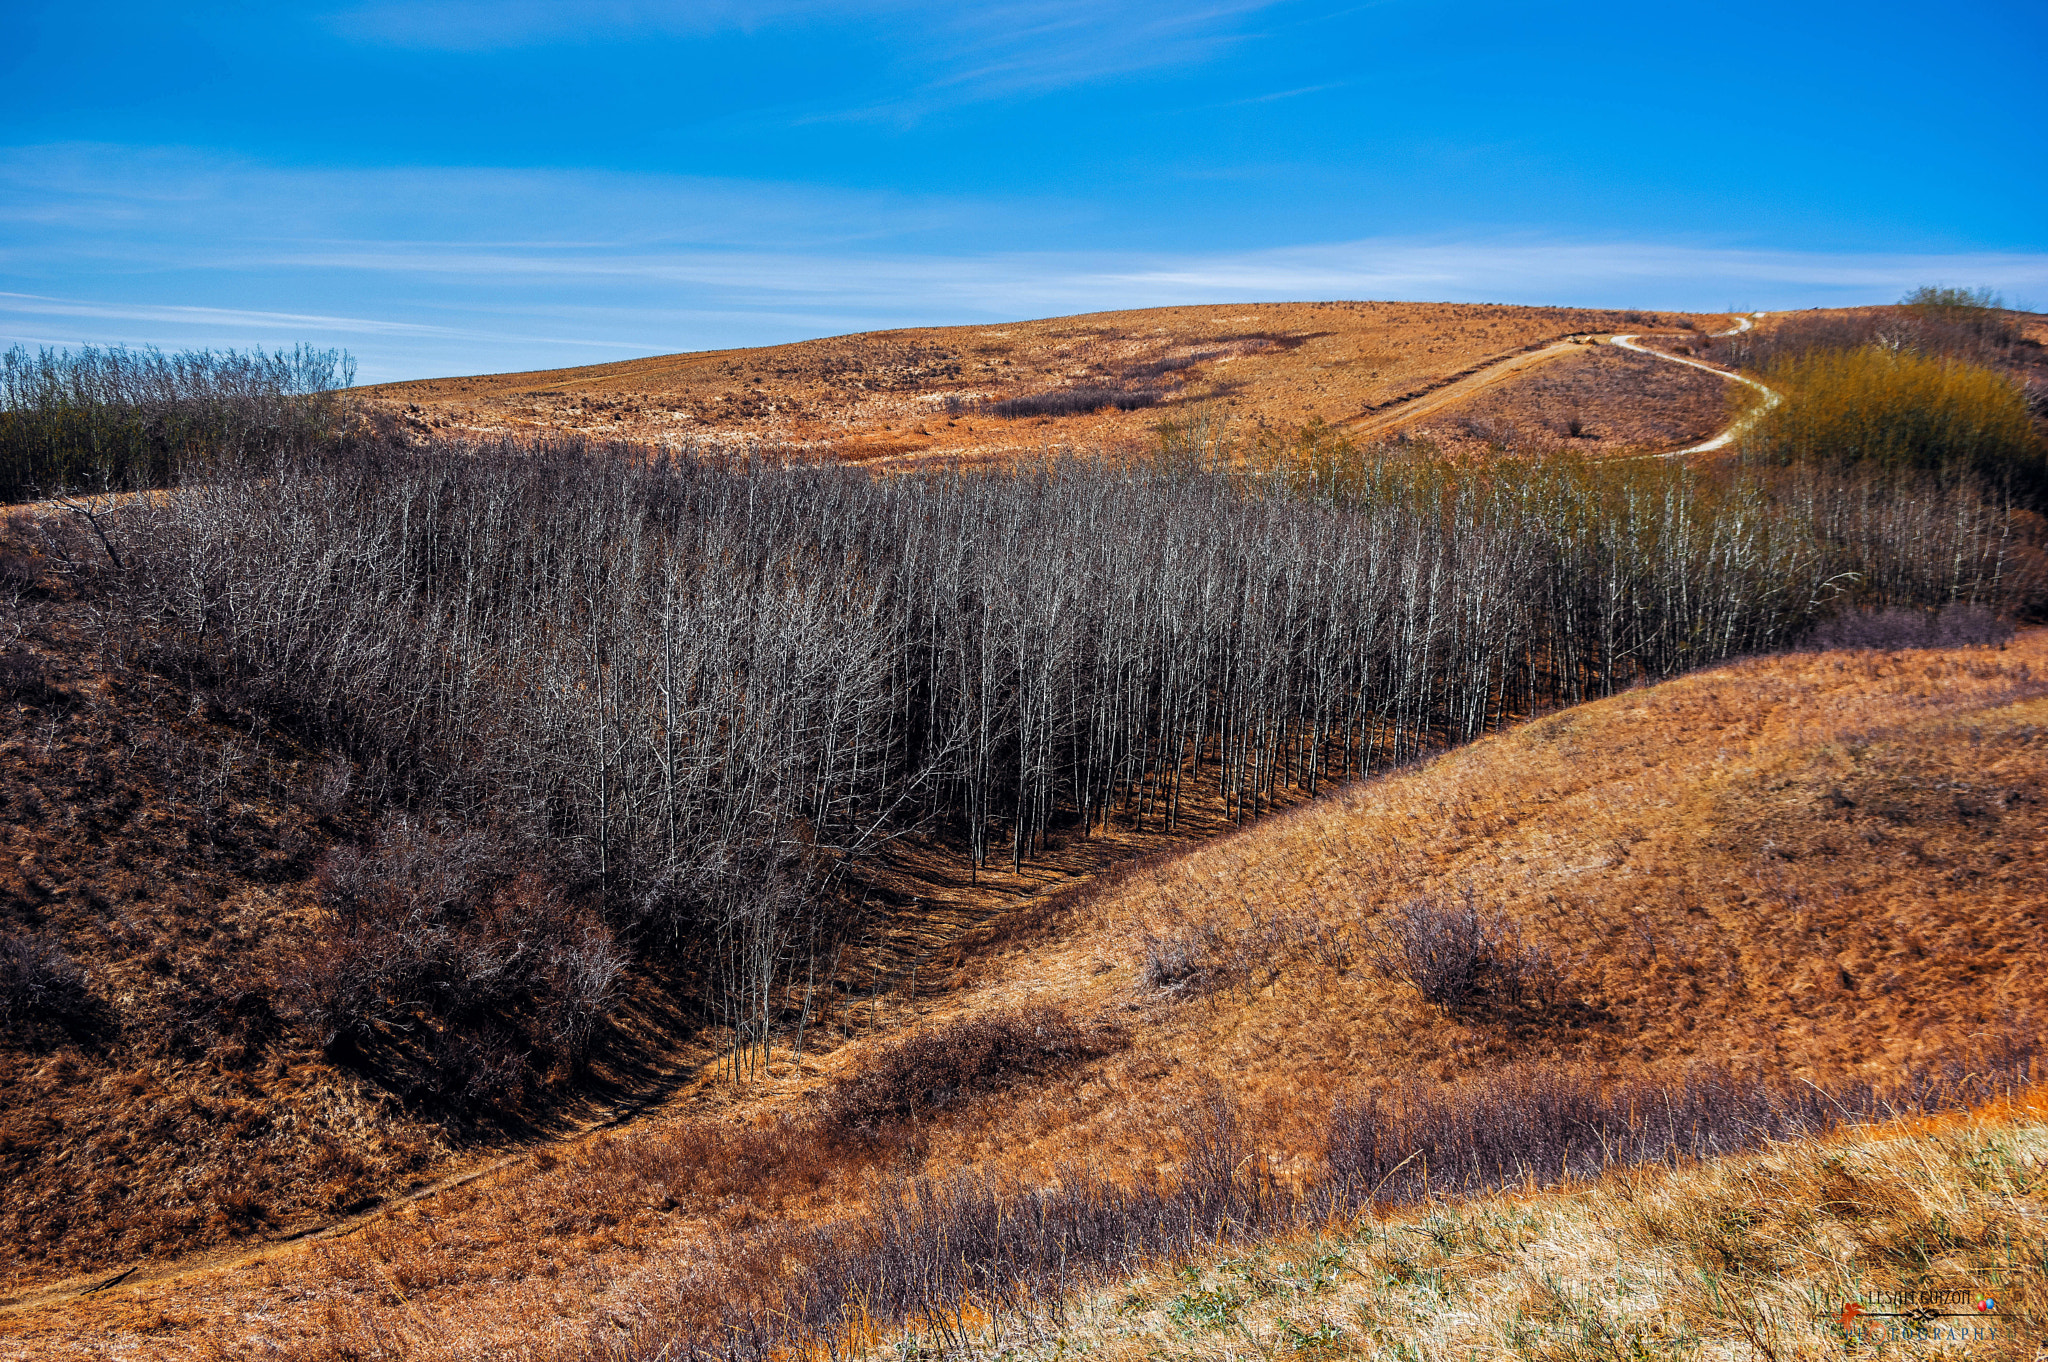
x,y
1466,386
1382,420
1772,398
663,1095
233,1255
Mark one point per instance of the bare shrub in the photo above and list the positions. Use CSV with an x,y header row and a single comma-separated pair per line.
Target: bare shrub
x,y
23,677
1074,401
40,984
425,869
429,931
1551,1124
1937,323
584,980
940,1068
1188,958
19,573
482,1066
333,781
1952,626
1452,952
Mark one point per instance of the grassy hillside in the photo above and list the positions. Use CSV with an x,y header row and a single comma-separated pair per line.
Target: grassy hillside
x,y
997,392
1815,1248
1816,866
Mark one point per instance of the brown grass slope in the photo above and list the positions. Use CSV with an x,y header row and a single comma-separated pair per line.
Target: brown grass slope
x,y
1807,865
1813,865
920,392
164,843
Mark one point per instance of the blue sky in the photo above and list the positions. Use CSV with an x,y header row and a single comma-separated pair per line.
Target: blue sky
x,y
466,187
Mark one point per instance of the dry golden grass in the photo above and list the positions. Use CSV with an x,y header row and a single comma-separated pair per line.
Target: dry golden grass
x,y
1749,1257
1811,865
882,396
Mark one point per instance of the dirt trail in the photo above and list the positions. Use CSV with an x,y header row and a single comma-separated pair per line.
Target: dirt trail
x,y
1727,437
1388,419
957,906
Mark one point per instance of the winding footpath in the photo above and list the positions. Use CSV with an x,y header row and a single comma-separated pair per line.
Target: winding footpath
x,y
1772,398
1463,388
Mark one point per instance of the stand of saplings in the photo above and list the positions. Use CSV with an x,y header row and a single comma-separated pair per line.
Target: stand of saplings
x,y
707,692
117,419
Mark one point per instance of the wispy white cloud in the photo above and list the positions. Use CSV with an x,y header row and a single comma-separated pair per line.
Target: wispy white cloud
x,y
159,195
492,25
449,271
1279,95
1507,270
940,53
247,320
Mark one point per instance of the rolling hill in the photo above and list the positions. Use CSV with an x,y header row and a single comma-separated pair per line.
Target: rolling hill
x,y
941,392
1821,866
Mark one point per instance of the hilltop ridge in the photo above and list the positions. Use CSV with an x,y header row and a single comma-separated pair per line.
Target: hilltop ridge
x,y
940,392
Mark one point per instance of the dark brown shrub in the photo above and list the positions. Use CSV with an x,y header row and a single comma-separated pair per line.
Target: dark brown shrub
x,y
428,933
1186,959
18,570
1953,626
40,985
22,676
483,1066
1454,952
412,869
584,979
1074,401
937,1069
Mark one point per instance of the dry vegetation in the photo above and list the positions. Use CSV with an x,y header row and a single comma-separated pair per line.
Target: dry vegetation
x,y
1759,1256
1814,866
1602,400
162,841
169,857
934,393
384,807
1948,327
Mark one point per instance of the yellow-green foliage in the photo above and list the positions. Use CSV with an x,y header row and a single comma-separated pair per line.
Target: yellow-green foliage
x,y
1900,410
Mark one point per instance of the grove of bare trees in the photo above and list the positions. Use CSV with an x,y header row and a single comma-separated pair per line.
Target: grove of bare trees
x,y
705,691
